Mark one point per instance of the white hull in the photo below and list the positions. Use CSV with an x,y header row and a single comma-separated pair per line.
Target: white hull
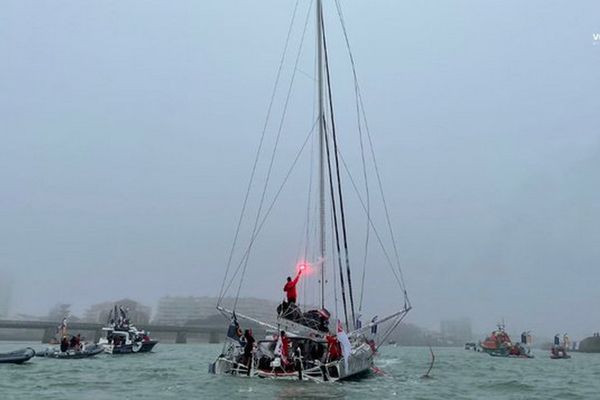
x,y
360,362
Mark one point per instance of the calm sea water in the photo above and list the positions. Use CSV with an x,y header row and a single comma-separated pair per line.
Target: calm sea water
x,y
180,372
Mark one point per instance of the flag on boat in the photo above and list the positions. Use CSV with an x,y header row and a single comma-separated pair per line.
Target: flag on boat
x,y
374,326
344,342
62,328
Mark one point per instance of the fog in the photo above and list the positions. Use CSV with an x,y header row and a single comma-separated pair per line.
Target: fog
x,y
128,130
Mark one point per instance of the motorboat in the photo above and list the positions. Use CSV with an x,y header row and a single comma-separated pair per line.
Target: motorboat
x,y
558,353
122,337
471,346
17,356
125,340
499,344
87,350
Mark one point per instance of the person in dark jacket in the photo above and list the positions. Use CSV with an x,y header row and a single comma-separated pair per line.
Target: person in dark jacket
x,y
248,348
64,344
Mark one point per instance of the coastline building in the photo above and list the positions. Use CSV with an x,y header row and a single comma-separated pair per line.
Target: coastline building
x,y
178,310
173,310
138,313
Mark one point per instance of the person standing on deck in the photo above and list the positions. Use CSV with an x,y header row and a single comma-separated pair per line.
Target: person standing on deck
x,y
281,349
290,288
248,349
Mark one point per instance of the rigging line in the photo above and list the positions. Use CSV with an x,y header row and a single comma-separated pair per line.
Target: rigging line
x,y
335,226
312,151
322,201
301,255
276,145
308,203
339,180
312,78
304,241
310,180
385,206
315,256
335,295
270,208
389,331
362,152
312,172
260,145
383,249
368,199
371,145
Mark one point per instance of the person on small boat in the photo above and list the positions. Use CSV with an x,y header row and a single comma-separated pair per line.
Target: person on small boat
x,y
556,340
248,348
290,288
73,342
78,342
524,337
64,344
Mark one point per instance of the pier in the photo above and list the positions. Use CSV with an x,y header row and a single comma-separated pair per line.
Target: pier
x,y
49,328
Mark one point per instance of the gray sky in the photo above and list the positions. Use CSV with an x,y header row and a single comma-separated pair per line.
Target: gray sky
x,y
128,129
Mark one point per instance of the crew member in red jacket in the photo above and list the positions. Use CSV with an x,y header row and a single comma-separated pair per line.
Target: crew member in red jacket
x,y
290,288
334,349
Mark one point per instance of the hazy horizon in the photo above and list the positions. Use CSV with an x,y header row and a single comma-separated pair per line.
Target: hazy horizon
x,y
128,131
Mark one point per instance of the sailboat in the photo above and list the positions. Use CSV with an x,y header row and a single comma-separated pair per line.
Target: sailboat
x,y
317,344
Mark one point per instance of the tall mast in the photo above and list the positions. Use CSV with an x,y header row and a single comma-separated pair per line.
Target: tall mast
x,y
321,116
